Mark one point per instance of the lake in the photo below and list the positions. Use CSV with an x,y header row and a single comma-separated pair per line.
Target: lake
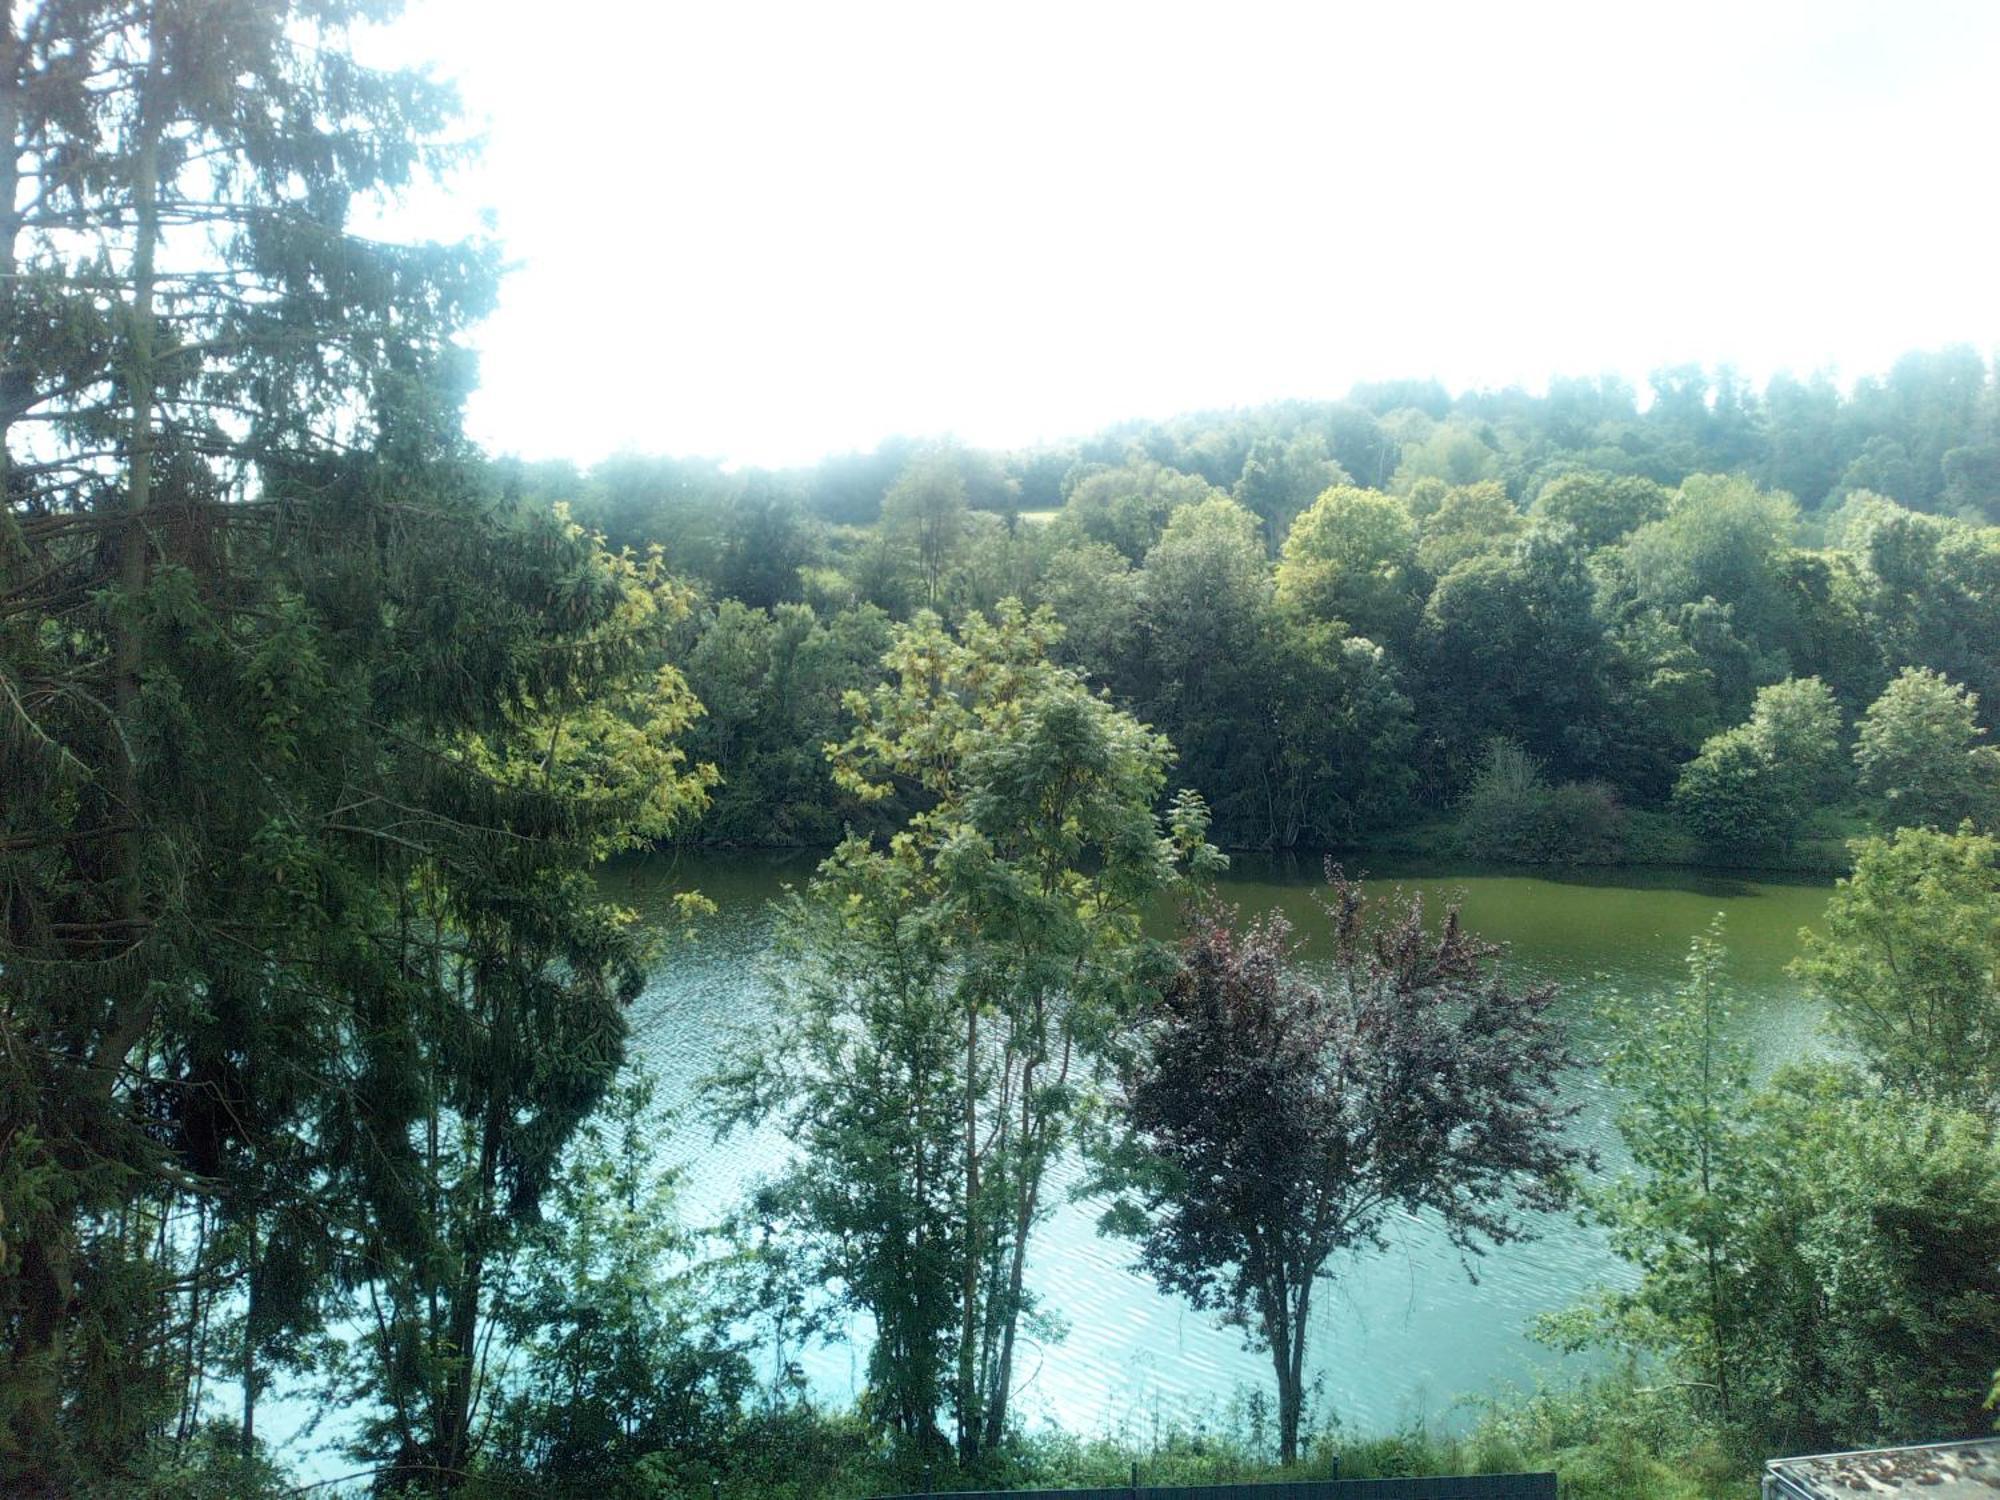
x,y
1399,1336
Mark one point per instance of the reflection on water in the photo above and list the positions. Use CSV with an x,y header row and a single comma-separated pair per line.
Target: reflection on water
x,y
1398,1335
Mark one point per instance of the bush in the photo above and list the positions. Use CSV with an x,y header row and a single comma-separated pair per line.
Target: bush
x,y
1755,785
1511,812
1583,823
624,1354
1726,798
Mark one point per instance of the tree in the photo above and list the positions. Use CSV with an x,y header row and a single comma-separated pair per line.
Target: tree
x,y
1094,593
1805,453
1342,737
1795,724
1832,638
1726,798
1721,539
1356,441
498,1025
951,993
1275,1121
989,486
1918,749
997,561
307,744
1869,1290
1204,609
1511,646
1129,506
1475,520
771,687
1848,1301
1511,812
1452,452
1930,404
1601,508
765,542
687,506
187,328
926,506
1909,964
1682,1216
1931,589
1972,481
623,1349
1661,701
847,488
1758,783
1352,557
1281,478
1709,421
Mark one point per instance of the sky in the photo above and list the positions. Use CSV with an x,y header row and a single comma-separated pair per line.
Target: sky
x,y
764,232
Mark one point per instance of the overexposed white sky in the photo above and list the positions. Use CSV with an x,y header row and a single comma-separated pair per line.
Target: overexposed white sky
x,y
766,232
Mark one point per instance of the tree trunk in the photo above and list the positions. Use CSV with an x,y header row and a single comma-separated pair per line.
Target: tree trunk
x,y
1290,1400
1003,1379
452,1441
14,382
1284,1325
42,1276
1709,1255
132,1012
1288,1427
34,1383
247,1440
968,1329
1027,1196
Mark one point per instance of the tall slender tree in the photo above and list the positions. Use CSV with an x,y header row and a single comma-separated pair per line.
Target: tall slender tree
x,y
953,995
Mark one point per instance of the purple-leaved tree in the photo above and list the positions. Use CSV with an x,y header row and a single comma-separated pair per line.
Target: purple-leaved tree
x,y
1277,1118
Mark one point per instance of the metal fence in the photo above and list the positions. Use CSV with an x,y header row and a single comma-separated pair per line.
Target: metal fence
x,y
1462,1487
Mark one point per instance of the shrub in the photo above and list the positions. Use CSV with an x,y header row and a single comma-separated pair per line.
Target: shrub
x,y
1511,812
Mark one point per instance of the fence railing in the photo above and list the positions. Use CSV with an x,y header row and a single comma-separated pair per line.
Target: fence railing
x,y
1461,1487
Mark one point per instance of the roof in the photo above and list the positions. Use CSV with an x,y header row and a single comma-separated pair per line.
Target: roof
x,y
1940,1471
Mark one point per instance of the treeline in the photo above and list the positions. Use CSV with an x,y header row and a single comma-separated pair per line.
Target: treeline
x,y
1341,613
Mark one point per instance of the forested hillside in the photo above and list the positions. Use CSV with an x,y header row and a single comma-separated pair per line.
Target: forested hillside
x,y
1347,616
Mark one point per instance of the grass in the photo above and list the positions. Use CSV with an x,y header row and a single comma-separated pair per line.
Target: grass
x,y
1611,1439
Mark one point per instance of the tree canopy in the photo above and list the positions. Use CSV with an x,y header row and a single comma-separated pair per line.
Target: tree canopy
x,y
1275,1120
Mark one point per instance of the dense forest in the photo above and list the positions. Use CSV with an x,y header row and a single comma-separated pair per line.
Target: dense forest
x,y
1530,615
317,724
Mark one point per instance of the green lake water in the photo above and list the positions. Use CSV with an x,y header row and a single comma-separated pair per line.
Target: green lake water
x,y
1398,1336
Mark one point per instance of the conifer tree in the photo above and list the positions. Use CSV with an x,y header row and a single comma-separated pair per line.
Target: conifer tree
x,y
306,745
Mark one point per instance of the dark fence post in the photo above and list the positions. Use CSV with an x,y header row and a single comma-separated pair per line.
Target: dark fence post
x,y
1135,1479
927,1478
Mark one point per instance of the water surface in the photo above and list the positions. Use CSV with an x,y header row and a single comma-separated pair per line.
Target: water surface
x,y
1396,1336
